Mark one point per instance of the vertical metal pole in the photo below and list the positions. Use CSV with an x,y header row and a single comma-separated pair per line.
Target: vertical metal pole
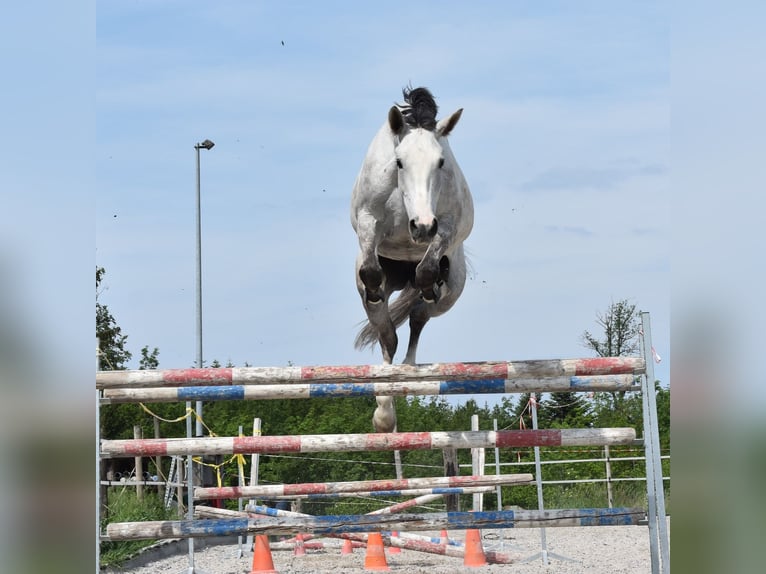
x,y
539,480
609,497
241,483
498,488
658,527
98,470
254,462
497,470
189,462
189,487
199,289
477,464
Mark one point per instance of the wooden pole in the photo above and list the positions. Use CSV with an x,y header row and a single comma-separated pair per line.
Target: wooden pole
x,y
158,459
375,523
366,442
500,371
138,435
311,390
272,490
451,469
404,540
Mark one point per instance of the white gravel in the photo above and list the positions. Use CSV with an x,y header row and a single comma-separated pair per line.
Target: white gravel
x,y
596,550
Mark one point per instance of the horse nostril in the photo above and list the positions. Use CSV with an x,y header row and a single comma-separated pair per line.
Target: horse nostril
x,y
421,231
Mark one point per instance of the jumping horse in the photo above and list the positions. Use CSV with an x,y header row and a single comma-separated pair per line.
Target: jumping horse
x,y
412,210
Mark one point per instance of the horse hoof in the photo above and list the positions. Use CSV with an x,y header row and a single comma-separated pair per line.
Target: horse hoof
x,y
373,298
430,296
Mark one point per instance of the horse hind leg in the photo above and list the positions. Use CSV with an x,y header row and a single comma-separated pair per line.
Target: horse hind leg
x,y
448,287
384,417
419,316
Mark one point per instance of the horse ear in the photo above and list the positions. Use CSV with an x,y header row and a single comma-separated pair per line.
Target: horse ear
x,y
446,125
395,120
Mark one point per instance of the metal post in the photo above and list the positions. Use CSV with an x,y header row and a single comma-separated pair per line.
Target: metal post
x,y
254,462
190,493
497,470
609,497
477,462
98,470
658,527
189,487
207,144
544,554
199,288
240,482
539,480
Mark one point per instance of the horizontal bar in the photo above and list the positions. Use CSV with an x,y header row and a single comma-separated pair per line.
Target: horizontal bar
x,y
377,373
366,442
597,383
391,493
367,486
566,461
375,523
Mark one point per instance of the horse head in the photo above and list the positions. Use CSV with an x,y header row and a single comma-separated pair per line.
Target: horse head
x,y
422,164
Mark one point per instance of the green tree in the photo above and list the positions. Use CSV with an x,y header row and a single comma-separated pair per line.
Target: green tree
x,y
621,326
149,361
113,355
567,410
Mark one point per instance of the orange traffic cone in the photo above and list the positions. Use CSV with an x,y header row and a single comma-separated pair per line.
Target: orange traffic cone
x,y
394,549
348,547
300,549
474,553
443,538
375,559
262,562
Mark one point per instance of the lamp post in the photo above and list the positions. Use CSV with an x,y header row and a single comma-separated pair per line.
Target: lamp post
x,y
206,144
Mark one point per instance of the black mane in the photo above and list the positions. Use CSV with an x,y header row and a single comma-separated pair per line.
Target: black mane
x,y
419,109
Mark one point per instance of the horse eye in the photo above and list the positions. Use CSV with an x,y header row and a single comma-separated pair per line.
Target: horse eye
x,y
398,163
441,162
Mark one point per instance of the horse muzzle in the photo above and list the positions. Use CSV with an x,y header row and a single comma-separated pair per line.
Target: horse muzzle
x,y
423,232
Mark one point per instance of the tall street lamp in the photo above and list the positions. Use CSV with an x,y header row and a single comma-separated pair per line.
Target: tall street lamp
x,y
206,144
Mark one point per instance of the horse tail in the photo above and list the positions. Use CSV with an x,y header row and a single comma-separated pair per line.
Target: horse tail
x,y
399,310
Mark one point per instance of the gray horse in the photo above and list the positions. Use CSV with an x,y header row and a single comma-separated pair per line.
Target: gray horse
x,y
412,210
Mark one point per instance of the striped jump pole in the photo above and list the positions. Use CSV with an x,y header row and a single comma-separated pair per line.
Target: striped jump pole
x,y
323,545
250,510
405,540
207,393
389,485
365,442
375,523
392,509
376,373
444,491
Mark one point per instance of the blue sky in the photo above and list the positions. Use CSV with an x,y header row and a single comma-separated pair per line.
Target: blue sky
x,y
564,141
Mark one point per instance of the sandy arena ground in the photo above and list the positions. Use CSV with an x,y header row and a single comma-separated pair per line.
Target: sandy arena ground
x,y
596,550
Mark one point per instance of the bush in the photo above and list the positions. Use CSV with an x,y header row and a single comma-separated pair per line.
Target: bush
x,y
124,506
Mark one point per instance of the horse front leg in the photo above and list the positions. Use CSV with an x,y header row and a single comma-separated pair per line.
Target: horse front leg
x,y
430,275
369,273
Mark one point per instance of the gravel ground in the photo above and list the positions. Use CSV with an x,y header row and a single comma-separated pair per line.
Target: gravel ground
x,y
596,550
